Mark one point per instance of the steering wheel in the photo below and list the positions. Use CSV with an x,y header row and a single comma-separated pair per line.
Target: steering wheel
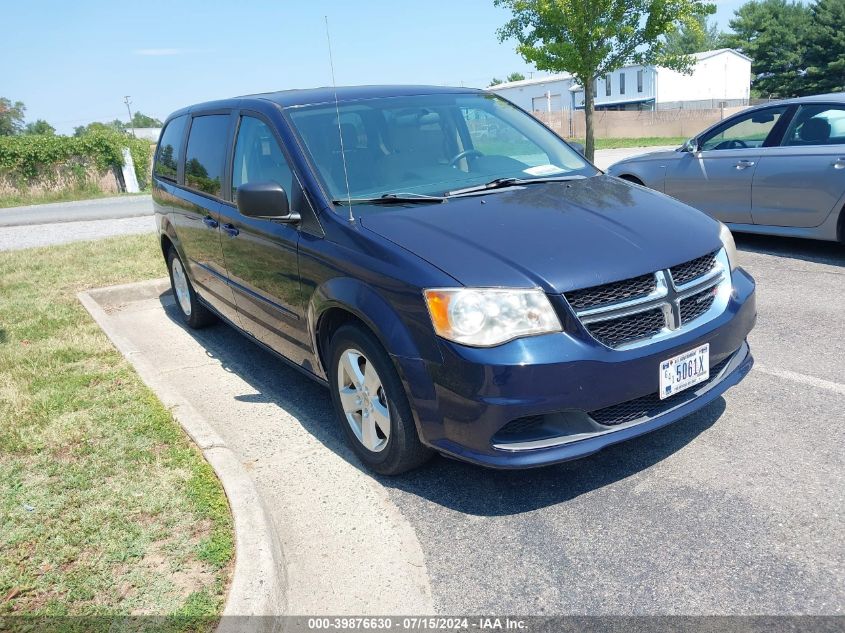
x,y
465,154
734,143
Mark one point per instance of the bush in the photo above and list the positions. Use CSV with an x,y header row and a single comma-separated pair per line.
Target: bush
x,y
26,157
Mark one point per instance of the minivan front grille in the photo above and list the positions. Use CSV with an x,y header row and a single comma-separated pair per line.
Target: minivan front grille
x,y
624,329
634,311
607,294
651,405
685,273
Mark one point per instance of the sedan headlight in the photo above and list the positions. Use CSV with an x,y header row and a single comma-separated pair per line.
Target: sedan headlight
x,y
730,246
483,317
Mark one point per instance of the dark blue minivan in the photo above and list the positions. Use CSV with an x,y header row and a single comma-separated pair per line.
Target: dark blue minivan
x,y
463,280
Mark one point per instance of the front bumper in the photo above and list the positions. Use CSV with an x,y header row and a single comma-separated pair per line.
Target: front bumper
x,y
462,403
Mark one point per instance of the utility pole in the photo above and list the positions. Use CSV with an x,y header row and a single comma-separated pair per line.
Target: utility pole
x,y
129,110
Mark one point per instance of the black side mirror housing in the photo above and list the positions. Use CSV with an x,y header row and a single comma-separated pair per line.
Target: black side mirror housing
x,y
265,200
578,147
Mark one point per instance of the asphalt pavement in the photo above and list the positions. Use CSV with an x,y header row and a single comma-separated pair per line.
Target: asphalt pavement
x,y
735,510
126,206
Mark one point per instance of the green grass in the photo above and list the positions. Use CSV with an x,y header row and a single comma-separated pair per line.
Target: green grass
x,y
651,141
106,507
87,192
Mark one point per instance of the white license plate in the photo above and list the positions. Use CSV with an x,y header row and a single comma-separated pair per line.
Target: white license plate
x,y
684,370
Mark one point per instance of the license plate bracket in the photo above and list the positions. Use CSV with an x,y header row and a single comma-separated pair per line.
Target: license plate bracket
x,y
684,370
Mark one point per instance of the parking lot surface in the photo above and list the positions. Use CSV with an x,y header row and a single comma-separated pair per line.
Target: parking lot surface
x,y
737,509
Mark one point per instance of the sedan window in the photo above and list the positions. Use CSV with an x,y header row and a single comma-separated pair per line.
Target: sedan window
x,y
746,131
817,125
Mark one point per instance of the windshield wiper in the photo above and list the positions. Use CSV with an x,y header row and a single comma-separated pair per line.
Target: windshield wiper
x,y
501,183
393,198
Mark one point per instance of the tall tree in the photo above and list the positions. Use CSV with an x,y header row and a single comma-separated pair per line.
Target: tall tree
x,y
685,41
39,127
774,34
592,38
142,120
11,117
826,48
515,77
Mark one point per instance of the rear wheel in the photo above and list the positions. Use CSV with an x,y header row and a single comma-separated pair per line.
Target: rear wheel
x,y
195,314
371,404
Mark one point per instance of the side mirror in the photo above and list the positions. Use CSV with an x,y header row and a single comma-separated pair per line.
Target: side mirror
x,y
690,146
578,147
265,200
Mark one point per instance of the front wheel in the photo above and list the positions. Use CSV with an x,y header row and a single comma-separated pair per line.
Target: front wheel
x,y
371,404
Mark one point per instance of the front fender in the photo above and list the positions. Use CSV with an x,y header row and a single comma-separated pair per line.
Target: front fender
x,y
408,335
652,176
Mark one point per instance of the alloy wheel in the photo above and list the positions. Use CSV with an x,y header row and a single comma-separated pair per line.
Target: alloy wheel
x,y
363,400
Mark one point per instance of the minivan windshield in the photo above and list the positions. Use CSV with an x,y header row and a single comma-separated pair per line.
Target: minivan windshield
x,y
429,145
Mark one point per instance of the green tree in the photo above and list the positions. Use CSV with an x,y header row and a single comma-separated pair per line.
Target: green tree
x,y
592,38
774,34
142,120
685,41
495,82
39,127
116,125
826,48
11,117
515,77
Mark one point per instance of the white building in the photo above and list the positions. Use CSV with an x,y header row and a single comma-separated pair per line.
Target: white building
x,y
720,78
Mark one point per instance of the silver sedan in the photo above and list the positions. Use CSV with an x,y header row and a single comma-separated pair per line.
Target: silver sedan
x,y
777,169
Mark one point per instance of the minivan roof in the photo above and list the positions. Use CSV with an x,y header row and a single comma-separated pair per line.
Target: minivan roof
x,y
326,94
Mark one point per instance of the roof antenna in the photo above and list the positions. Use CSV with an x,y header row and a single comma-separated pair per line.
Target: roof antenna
x,y
339,131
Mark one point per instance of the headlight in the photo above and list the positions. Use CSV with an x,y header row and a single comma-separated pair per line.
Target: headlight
x,y
484,317
730,246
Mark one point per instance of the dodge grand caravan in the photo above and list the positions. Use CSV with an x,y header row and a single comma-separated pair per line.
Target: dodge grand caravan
x,y
462,279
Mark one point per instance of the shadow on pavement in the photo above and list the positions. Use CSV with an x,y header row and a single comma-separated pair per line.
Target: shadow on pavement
x,y
808,250
462,487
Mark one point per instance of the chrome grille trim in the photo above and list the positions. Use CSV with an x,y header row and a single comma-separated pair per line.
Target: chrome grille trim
x,y
667,296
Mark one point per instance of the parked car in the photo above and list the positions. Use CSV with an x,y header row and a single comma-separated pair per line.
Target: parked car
x,y
777,169
492,297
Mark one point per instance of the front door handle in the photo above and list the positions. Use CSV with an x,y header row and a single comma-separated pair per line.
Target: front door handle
x,y
210,222
230,229
839,163
743,164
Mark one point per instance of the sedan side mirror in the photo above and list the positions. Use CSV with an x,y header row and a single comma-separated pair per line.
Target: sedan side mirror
x,y
578,147
265,200
690,146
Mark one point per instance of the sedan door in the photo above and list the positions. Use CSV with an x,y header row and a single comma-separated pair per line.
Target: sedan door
x,y
717,178
261,254
803,180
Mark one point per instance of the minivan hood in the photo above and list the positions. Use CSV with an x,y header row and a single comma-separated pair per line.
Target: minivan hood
x,y
558,236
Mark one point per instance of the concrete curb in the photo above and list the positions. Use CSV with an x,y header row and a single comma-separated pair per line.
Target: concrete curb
x,y
257,586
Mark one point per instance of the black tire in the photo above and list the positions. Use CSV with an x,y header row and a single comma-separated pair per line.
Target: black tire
x,y
403,451
198,316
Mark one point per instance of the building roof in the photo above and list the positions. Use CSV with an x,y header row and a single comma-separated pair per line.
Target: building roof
x,y
566,76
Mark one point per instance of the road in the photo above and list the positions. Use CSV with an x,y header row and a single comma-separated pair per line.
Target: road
x,y
735,510
63,222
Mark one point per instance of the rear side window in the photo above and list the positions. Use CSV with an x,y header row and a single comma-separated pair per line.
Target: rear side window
x,y
169,148
817,125
205,155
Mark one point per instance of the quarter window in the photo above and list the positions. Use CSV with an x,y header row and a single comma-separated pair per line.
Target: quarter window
x,y
750,130
258,157
170,148
817,125
206,153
